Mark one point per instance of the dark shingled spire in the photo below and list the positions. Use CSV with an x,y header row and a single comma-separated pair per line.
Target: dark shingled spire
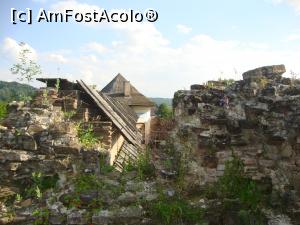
x,y
115,89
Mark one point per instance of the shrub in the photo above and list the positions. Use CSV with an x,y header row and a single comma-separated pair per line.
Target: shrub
x,y
86,182
39,184
45,97
3,110
142,165
25,98
42,216
175,211
234,184
262,82
86,135
68,115
105,167
226,82
238,192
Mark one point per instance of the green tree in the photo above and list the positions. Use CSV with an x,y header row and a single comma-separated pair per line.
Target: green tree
x,y
26,68
164,111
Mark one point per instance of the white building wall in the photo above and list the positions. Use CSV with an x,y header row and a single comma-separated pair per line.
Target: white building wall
x,y
144,117
144,113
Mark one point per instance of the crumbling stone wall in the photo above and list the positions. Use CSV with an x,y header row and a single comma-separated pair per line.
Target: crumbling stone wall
x,y
257,118
37,137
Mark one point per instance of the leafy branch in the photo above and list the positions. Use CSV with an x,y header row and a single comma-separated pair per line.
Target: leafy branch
x,y
25,68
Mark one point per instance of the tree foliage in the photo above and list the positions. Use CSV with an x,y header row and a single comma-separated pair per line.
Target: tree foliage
x,y
26,68
164,111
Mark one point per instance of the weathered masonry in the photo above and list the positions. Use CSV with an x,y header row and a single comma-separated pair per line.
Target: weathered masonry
x,y
259,122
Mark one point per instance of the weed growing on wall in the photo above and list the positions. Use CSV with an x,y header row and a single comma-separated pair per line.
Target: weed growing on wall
x,y
3,110
239,192
41,216
68,115
175,211
39,184
86,135
145,169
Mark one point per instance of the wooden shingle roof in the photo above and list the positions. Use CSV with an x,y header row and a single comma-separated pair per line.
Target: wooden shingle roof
x,y
115,89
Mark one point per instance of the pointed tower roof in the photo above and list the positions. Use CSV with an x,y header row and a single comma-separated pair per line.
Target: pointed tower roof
x,y
116,88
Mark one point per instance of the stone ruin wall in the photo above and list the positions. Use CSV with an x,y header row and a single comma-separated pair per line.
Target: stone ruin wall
x,y
260,124
37,137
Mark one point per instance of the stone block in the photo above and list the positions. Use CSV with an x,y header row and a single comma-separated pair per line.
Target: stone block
x,y
103,217
198,87
77,218
266,163
57,219
127,198
128,215
14,166
15,155
269,72
67,150
29,143
221,167
249,161
286,151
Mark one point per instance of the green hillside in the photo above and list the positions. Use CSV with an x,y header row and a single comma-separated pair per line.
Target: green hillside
x,y
159,101
10,91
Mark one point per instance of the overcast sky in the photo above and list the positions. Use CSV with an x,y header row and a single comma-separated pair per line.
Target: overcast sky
x,y
191,42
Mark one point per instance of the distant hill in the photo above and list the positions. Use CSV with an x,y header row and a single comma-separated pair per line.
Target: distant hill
x,y
14,91
159,101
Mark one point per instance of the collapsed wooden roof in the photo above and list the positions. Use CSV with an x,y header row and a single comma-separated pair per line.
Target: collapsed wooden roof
x,y
115,89
113,110
122,116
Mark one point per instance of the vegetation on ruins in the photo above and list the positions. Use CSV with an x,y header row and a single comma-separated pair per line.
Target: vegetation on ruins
x,y
57,84
262,82
294,77
238,192
40,183
41,216
86,182
104,165
86,136
3,110
143,165
69,114
45,97
175,210
226,82
26,68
